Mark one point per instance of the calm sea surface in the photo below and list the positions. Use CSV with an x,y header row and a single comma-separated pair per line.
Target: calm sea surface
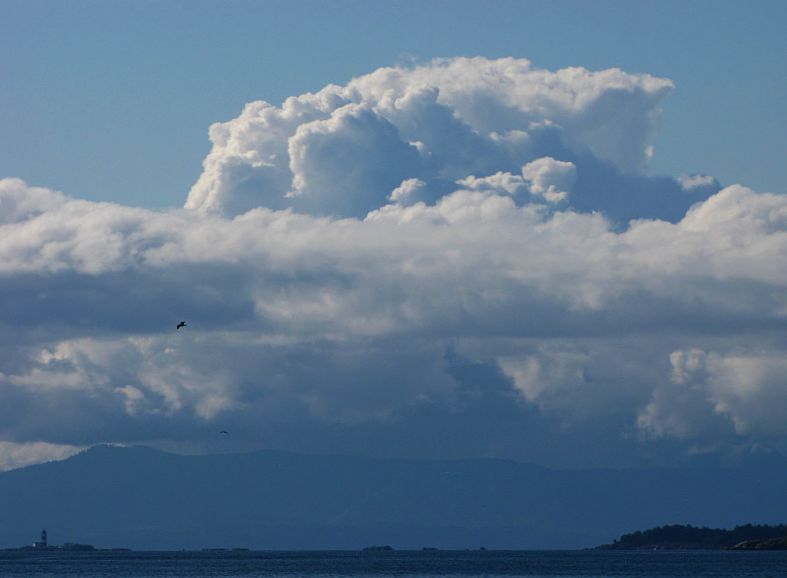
x,y
565,564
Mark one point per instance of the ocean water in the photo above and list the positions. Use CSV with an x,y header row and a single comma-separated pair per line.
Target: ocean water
x,y
489,564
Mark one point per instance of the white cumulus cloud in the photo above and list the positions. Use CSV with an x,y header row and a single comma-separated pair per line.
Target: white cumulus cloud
x,y
467,241
550,178
342,150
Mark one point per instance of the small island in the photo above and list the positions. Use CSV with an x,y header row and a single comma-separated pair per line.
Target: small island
x,y
688,537
43,545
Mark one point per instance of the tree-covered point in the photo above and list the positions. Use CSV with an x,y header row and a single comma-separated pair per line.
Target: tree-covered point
x,y
691,537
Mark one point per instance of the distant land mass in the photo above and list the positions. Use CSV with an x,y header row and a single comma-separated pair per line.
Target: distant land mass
x,y
688,537
142,498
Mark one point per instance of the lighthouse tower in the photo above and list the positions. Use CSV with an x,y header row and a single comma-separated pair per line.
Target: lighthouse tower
x,y
41,543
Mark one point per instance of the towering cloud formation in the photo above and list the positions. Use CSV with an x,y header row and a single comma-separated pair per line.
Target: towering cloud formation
x,y
468,249
341,151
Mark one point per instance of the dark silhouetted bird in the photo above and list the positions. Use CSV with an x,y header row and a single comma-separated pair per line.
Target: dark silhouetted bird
x,y
225,432
181,324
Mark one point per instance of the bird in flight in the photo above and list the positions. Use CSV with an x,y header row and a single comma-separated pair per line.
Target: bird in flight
x,y
225,432
181,324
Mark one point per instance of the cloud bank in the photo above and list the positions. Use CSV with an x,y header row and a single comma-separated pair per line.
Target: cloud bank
x,y
462,258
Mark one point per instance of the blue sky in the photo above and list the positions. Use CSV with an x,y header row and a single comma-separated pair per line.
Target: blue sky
x,y
444,234
112,100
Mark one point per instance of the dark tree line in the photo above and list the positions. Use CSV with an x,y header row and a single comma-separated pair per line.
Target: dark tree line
x,y
691,537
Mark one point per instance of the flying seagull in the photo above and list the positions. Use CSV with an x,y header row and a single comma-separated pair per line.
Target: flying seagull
x,y
225,432
181,324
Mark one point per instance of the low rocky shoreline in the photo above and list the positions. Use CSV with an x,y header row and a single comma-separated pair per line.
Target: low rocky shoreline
x,y
769,544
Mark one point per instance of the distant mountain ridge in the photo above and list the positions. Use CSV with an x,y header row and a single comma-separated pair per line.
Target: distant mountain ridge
x,y
146,499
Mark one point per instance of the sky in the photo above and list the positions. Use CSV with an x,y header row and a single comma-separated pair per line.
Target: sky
x,y
546,231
